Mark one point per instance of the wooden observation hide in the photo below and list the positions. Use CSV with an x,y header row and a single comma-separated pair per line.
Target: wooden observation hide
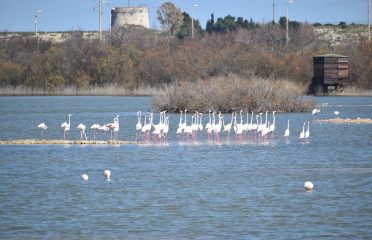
x,y
329,70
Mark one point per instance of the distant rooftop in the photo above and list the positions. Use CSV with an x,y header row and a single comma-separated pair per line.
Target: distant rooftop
x,y
331,55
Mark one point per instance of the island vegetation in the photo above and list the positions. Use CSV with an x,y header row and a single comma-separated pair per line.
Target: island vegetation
x,y
134,60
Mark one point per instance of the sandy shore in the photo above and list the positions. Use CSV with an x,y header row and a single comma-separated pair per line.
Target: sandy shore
x,y
347,120
35,141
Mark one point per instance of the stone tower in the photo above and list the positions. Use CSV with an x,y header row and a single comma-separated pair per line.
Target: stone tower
x,y
129,16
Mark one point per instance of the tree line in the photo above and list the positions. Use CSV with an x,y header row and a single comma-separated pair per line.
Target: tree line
x,y
133,57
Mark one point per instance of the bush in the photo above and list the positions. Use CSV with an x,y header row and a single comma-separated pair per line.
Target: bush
x,y
231,93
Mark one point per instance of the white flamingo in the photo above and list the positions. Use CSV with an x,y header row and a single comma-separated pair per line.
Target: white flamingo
x,y
66,126
138,125
265,130
209,124
166,128
272,126
246,125
159,127
195,126
180,127
116,127
43,127
336,113
107,174
260,125
85,177
227,127
308,186
218,127
315,111
103,129
95,127
82,128
147,126
307,133
200,122
302,134
286,133
238,127
188,128
255,125
250,125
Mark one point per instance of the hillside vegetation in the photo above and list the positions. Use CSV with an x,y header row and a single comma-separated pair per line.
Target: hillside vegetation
x,y
134,58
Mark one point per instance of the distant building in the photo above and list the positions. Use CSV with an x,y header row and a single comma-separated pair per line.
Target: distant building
x,y
121,16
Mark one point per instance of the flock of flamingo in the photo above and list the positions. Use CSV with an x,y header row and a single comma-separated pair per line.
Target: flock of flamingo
x,y
214,128
262,128
113,127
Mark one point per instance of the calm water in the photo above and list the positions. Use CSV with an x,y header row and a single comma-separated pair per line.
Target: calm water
x,y
249,190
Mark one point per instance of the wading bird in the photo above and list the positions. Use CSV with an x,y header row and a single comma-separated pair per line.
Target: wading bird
x,y
307,133
85,177
107,174
95,127
308,186
315,111
138,125
82,128
116,127
43,127
66,126
286,133
302,134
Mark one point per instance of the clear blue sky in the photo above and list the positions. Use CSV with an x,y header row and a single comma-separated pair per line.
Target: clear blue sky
x,y
65,15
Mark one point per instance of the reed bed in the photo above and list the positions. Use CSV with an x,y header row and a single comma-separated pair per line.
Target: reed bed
x,y
354,91
232,93
73,91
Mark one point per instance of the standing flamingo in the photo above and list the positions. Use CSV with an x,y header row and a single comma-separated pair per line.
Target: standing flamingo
x,y
227,127
307,133
180,127
66,126
43,127
82,128
188,129
95,127
218,127
337,113
286,133
200,122
260,125
147,126
104,129
138,125
302,134
116,127
272,126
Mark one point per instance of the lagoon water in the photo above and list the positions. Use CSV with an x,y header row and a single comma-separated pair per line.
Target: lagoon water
x,y
203,190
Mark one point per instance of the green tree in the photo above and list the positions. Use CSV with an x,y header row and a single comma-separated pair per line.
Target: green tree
x,y
210,24
185,29
170,17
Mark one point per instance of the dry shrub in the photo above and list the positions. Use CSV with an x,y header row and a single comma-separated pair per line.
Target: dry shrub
x,y
231,93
